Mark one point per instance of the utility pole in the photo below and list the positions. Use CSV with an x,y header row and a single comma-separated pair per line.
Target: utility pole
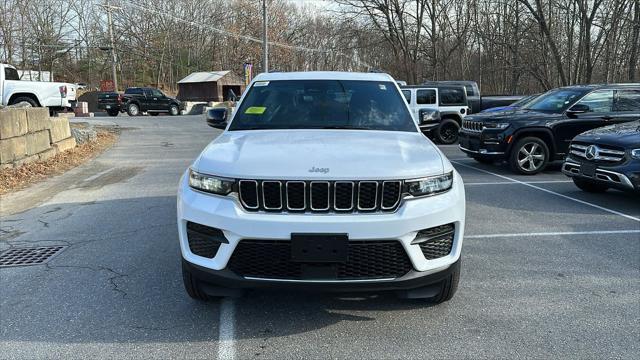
x,y
265,45
114,60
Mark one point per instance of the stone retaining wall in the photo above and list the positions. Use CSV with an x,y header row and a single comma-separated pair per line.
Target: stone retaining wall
x,y
29,134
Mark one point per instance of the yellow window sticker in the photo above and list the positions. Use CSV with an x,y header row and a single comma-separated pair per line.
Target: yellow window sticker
x,y
255,110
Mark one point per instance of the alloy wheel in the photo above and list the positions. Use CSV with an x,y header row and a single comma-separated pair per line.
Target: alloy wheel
x,y
531,156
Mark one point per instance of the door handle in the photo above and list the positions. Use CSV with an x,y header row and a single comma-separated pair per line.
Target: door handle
x,y
607,117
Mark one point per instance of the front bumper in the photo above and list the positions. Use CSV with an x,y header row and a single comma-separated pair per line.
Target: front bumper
x,y
226,214
623,177
485,144
414,284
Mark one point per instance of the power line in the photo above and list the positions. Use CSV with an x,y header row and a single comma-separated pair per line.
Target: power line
x,y
234,34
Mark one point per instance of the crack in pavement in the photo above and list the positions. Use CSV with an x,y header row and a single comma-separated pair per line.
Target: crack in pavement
x,y
111,280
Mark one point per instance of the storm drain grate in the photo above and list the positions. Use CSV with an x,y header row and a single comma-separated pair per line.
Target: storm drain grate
x,y
28,256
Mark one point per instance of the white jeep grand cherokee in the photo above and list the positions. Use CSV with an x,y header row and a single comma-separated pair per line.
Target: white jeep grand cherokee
x,y
321,181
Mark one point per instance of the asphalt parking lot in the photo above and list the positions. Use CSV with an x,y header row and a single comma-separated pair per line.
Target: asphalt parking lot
x,y
548,272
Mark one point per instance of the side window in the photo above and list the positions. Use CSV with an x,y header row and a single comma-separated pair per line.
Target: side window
x,y
426,96
470,91
600,101
11,74
627,100
451,96
407,95
156,93
147,93
134,91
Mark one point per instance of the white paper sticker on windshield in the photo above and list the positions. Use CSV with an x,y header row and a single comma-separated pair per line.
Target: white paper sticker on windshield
x,y
382,86
261,83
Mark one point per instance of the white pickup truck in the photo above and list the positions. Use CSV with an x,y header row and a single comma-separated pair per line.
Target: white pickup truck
x,y
54,95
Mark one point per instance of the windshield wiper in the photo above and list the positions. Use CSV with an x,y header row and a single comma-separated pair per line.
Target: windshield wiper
x,y
346,127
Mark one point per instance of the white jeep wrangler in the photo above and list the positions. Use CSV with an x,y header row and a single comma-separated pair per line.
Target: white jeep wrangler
x,y
321,181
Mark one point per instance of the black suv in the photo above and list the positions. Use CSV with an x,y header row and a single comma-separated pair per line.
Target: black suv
x,y
608,157
528,138
136,100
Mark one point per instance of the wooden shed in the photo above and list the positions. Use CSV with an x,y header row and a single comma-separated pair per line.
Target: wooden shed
x,y
210,86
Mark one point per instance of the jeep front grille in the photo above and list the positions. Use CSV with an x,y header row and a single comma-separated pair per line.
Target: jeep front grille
x,y
320,196
602,153
472,125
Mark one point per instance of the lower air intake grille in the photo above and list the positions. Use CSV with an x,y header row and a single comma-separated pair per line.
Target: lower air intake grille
x,y
436,242
367,260
204,240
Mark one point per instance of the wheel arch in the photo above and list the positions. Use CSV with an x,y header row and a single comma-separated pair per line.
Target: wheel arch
x,y
16,95
454,116
543,134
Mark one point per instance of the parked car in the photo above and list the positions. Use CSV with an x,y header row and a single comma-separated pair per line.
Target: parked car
x,y
540,132
136,100
516,105
476,101
447,105
607,157
56,96
321,180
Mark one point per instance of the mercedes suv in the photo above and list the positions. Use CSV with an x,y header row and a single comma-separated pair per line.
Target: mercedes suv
x,y
321,181
607,157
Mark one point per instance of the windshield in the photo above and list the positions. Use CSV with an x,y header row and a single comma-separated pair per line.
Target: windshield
x,y
555,101
323,104
524,101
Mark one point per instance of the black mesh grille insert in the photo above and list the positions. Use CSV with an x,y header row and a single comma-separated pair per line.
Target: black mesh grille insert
x,y
204,240
249,193
390,194
436,242
320,196
272,195
296,195
367,260
367,195
343,196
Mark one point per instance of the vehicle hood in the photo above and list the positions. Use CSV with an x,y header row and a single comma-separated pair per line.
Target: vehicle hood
x,y
513,115
625,135
321,154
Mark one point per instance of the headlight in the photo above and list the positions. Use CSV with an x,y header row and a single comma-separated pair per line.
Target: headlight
x,y
210,183
431,185
635,153
501,126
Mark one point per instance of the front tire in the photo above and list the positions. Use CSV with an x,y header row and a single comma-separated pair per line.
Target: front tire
x,y
448,286
192,285
589,186
133,109
529,156
447,132
173,110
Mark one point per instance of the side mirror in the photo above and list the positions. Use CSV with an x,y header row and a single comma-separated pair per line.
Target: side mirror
x,y
428,116
578,109
217,118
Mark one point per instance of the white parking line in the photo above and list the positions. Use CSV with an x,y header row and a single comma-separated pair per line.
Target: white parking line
x,y
565,233
551,192
512,183
226,347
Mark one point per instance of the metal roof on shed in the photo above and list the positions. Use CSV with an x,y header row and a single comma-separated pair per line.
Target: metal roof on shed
x,y
208,76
